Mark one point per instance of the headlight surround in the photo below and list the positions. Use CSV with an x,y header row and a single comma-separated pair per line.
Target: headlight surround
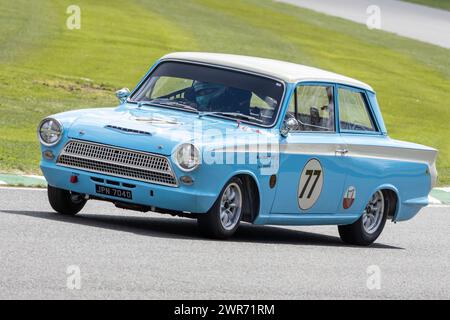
x,y
187,157
50,131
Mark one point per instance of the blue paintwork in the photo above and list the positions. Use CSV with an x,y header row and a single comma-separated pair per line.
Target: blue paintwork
x,y
292,165
278,205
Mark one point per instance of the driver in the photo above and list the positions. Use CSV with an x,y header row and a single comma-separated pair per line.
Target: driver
x,y
206,92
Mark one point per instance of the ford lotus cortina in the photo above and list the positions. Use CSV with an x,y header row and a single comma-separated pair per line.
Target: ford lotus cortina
x,y
227,139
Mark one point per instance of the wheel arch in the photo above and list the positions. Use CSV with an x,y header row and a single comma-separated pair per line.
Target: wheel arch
x,y
391,193
252,193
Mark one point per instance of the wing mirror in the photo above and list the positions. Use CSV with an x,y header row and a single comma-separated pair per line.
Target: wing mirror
x,y
123,94
288,125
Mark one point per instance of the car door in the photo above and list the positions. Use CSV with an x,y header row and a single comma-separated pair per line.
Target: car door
x,y
361,132
311,175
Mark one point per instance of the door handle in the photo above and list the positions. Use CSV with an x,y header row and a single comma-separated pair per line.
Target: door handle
x,y
342,152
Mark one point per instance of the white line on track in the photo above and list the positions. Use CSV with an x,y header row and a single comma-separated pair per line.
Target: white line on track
x,y
34,176
23,188
433,200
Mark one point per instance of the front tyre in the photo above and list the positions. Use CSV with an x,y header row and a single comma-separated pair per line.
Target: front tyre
x,y
65,202
369,226
224,217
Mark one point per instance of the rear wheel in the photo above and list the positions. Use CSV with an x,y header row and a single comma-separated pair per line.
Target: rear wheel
x,y
65,202
370,225
223,218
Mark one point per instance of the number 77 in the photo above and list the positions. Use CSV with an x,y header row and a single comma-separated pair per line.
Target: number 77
x,y
310,174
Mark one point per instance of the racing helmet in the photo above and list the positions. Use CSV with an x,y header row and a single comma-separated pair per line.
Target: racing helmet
x,y
205,92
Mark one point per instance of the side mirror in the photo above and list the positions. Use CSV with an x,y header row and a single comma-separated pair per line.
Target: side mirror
x,y
123,94
288,125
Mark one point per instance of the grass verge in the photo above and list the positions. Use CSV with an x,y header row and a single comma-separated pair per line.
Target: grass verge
x,y
46,68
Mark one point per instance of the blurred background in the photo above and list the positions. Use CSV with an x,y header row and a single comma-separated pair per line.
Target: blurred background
x,y
47,66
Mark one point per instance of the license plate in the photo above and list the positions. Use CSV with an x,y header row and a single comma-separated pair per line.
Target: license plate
x,y
114,192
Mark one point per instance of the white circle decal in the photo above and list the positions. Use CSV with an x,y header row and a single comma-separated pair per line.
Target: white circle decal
x,y
310,185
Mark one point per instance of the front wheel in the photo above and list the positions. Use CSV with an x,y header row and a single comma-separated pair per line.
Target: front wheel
x,y
65,202
224,217
369,226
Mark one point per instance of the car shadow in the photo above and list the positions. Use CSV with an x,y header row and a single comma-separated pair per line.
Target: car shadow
x,y
178,228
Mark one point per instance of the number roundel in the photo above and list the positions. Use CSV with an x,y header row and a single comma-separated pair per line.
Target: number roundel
x,y
310,185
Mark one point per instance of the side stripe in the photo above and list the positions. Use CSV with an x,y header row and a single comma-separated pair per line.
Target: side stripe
x,y
329,149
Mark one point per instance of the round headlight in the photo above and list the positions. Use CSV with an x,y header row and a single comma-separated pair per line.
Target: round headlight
x,y
187,157
50,131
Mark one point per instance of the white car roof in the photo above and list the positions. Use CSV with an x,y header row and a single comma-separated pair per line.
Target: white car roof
x,y
286,71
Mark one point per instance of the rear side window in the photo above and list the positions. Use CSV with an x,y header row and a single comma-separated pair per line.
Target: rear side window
x,y
354,112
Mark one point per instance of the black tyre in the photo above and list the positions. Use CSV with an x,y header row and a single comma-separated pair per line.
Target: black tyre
x,y
223,219
65,202
369,226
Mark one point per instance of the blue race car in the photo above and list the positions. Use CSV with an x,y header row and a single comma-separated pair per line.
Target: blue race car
x,y
225,138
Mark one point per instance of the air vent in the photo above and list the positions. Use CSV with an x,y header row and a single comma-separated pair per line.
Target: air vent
x,y
128,130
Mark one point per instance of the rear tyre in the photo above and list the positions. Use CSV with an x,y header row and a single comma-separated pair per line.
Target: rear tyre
x,y
223,219
369,226
65,202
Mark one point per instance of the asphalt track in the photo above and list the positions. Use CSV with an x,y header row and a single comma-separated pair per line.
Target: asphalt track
x,y
124,254
410,20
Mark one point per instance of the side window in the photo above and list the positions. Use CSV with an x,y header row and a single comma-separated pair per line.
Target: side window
x,y
354,112
313,107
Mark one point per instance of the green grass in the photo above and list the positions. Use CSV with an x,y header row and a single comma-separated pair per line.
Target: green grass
x,y
46,68
441,4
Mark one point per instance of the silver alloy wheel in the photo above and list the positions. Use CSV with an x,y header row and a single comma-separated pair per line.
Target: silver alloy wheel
x,y
373,213
230,206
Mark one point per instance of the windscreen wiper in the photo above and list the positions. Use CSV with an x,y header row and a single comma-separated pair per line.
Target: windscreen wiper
x,y
167,103
232,114
172,103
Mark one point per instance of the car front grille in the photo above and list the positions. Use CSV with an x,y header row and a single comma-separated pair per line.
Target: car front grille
x,y
117,162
